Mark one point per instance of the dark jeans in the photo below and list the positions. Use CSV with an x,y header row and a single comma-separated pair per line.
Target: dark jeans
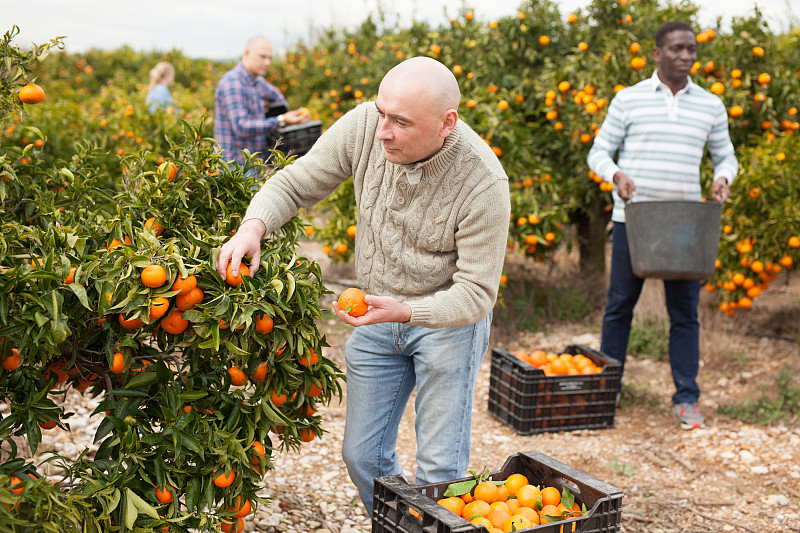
x,y
684,331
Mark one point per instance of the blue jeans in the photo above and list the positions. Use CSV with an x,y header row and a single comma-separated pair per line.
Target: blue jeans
x,y
384,364
684,331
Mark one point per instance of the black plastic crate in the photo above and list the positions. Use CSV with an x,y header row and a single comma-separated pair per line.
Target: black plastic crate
x,y
522,397
394,500
296,139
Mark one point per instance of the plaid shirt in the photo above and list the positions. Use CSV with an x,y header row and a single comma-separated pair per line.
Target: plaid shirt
x,y
239,121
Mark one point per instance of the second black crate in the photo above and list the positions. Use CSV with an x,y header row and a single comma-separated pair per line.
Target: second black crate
x,y
524,398
296,139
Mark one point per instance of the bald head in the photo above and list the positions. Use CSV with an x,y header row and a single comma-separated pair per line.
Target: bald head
x,y
428,80
418,108
256,41
257,55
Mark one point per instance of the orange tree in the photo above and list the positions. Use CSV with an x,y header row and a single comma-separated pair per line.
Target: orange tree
x,y
536,86
109,288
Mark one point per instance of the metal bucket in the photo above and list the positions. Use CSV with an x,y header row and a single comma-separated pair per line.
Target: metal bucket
x,y
673,239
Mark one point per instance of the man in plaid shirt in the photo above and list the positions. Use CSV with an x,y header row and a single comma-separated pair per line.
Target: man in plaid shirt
x,y
240,98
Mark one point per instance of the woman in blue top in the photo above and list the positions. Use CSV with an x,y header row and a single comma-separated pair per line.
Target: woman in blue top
x,y
162,76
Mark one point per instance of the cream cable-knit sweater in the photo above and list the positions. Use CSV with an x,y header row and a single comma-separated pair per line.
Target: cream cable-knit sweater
x,y
432,234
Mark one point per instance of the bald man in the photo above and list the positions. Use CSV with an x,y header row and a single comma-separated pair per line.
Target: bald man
x,y
433,211
239,102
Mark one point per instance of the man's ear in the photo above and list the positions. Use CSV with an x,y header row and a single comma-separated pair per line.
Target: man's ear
x,y
656,54
449,122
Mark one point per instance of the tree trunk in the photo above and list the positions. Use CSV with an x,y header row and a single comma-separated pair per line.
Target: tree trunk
x,y
591,226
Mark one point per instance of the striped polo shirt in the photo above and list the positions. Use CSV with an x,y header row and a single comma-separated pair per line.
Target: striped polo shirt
x,y
660,139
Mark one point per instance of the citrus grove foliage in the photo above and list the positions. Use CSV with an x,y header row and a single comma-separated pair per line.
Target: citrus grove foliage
x,y
109,288
94,183
536,86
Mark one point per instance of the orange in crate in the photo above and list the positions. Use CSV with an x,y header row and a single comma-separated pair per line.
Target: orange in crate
x,y
559,364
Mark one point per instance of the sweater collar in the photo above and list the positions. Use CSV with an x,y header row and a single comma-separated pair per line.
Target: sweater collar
x,y
439,163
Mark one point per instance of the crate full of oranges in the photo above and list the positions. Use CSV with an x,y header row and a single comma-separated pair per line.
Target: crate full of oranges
x,y
538,391
531,492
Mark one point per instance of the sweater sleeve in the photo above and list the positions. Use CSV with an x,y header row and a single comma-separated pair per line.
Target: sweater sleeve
x,y
608,141
309,179
481,240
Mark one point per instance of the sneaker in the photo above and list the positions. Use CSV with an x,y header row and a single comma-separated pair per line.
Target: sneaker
x,y
689,415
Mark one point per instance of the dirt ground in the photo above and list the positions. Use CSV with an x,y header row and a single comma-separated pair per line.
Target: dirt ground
x,y
730,476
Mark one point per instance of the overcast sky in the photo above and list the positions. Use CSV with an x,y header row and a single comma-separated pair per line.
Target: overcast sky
x,y
218,29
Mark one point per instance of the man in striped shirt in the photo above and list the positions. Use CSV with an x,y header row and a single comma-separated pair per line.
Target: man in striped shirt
x,y
659,129
239,101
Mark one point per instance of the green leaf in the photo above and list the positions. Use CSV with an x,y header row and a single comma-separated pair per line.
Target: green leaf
x,y
270,413
193,493
141,379
291,284
8,421
131,512
567,498
235,349
210,343
103,429
80,292
278,284
124,393
462,487
113,501
140,504
233,418
188,441
189,396
40,319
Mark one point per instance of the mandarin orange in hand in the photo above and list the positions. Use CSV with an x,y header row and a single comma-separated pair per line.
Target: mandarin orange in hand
x,y
235,281
351,301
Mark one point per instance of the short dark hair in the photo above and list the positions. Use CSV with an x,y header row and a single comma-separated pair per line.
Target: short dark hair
x,y
669,27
